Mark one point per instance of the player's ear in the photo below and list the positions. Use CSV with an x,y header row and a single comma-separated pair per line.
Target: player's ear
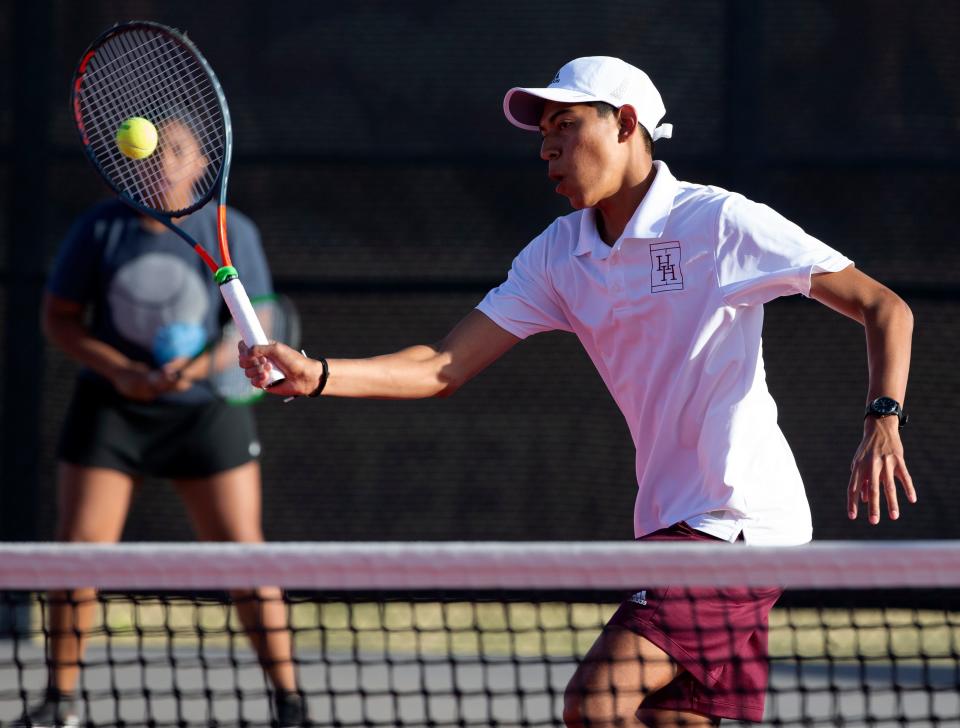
x,y
627,121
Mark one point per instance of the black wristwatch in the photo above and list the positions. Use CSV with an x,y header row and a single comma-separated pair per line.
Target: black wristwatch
x,y
886,407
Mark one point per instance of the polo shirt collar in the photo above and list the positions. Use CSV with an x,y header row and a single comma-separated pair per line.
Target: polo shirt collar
x,y
649,220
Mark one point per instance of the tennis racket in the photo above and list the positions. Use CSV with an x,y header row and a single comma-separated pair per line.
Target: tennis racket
x,y
281,322
149,83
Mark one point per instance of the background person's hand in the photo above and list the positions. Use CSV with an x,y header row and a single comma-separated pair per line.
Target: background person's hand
x,y
181,373
139,382
877,465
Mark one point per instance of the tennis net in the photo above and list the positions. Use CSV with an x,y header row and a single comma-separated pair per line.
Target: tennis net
x,y
468,634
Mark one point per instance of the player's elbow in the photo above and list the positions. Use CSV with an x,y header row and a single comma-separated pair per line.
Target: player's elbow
x,y
447,385
905,312
449,377
890,309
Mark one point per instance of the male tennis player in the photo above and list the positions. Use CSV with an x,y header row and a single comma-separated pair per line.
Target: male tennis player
x,y
664,284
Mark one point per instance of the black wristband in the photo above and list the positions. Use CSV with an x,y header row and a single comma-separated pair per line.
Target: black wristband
x,y
323,378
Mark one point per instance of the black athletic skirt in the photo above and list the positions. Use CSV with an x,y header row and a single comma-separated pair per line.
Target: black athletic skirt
x,y
159,439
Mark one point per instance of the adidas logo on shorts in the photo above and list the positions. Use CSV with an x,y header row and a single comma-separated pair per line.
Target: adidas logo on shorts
x,y
640,598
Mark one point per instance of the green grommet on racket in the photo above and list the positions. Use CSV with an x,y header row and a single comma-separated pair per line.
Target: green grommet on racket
x,y
133,81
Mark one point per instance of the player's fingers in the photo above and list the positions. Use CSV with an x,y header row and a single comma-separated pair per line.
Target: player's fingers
x,y
872,483
853,493
256,370
890,489
900,468
251,356
252,352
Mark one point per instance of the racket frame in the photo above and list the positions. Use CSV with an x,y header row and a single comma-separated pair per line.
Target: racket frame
x,y
226,275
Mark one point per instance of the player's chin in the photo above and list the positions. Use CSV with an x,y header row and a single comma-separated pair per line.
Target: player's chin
x,y
576,198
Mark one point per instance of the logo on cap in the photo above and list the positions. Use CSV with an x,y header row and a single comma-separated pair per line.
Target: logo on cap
x,y
556,79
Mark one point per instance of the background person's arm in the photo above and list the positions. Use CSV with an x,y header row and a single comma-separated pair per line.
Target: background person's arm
x,y
888,323
413,373
63,325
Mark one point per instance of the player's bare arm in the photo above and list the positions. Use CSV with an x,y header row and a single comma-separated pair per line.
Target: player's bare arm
x,y
416,372
888,322
63,324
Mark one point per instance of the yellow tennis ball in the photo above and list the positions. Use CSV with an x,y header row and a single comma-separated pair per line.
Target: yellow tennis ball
x,y
137,138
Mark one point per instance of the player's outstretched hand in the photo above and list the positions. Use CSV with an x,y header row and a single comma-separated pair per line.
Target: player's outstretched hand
x,y
876,467
301,373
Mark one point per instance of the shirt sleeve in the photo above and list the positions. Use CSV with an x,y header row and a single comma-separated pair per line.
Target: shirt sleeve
x,y
761,255
526,303
74,272
248,257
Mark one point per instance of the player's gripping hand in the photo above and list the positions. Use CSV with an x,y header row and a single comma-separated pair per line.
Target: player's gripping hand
x,y
876,467
301,373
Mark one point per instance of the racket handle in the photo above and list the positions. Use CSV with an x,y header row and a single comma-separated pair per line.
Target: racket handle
x,y
246,319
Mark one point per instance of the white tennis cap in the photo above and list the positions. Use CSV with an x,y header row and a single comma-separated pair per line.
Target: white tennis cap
x,y
593,78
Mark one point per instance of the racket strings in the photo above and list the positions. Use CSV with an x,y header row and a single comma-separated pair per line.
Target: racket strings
x,y
150,178
157,62
139,73
151,181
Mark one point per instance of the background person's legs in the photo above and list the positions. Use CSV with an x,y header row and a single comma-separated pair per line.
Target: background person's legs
x,y
92,506
227,507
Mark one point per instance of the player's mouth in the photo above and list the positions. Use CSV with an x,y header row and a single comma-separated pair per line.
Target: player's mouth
x,y
558,178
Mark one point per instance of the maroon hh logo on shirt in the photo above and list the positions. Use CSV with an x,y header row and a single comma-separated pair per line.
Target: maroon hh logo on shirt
x,y
665,273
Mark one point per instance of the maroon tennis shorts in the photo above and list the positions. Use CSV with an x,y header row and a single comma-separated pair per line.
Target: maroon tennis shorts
x,y
718,635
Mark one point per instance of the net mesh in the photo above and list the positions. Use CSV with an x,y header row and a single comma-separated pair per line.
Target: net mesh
x,y
143,72
477,634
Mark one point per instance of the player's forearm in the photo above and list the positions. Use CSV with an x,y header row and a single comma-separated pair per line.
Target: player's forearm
x,y
889,329
414,373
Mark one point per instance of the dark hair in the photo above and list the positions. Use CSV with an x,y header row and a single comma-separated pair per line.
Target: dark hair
x,y
604,110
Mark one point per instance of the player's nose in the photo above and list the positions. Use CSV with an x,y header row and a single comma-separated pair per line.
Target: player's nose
x,y
549,150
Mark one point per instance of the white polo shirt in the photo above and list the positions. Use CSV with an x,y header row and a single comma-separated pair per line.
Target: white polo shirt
x,y
671,316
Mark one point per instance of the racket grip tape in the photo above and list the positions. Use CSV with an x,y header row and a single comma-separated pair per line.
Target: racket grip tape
x,y
243,314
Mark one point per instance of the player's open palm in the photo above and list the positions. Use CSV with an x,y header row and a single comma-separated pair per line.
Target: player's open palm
x,y
877,466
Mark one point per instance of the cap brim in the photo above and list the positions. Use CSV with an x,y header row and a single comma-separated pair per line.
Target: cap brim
x,y
523,107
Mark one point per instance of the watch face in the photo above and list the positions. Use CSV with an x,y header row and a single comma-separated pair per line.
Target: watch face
x,y
884,406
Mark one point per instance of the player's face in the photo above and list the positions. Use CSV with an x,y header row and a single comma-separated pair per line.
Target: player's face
x,y
181,164
582,152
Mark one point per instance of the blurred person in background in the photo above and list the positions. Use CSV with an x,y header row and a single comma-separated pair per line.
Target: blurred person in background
x,y
131,304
